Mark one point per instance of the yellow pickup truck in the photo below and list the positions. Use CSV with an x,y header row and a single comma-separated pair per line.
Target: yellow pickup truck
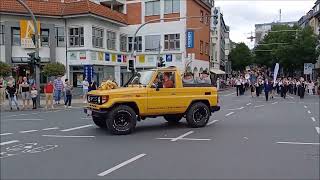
x,y
149,94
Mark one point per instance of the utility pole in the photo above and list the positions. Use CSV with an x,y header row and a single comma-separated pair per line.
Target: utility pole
x,y
280,15
36,73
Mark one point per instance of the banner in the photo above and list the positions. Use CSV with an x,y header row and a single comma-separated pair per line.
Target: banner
x,y
275,73
27,31
190,39
88,72
100,56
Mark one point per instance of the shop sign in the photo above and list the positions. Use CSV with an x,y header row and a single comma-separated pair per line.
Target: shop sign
x,y
107,57
114,58
168,57
73,56
27,31
141,59
100,56
93,56
82,55
119,58
190,39
124,58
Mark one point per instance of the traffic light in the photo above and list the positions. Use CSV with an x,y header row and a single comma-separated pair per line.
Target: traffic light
x,y
215,17
32,59
131,64
161,62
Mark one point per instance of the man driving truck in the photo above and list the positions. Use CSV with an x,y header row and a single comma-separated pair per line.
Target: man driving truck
x,y
167,83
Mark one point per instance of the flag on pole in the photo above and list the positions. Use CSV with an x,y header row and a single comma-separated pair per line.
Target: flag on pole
x,y
275,73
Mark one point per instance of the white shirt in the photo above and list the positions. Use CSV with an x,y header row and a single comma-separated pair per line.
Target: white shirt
x,y
85,84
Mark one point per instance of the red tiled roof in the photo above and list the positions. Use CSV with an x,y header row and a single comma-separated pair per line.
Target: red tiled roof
x,y
57,8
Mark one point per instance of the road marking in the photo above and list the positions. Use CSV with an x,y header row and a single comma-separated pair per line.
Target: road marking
x,y
309,112
275,103
68,136
8,142
236,109
87,118
24,119
121,165
318,130
229,114
212,122
4,134
193,139
229,94
313,119
46,129
15,115
28,131
290,97
298,143
75,128
183,135
248,104
258,106
305,107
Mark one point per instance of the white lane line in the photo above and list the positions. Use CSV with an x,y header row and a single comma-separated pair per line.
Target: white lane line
x,y
318,130
121,165
290,97
248,104
68,136
229,94
183,135
193,139
28,131
258,106
8,142
309,112
212,122
15,115
87,118
4,134
305,107
236,109
313,119
75,128
46,129
23,119
275,103
229,114
298,143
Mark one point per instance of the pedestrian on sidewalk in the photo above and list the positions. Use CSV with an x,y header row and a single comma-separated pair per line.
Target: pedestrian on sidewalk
x,y
24,89
267,89
252,87
2,90
58,88
34,94
310,87
68,92
85,88
11,91
238,86
48,90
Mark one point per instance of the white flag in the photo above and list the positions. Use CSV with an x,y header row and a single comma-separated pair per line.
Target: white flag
x,y
275,73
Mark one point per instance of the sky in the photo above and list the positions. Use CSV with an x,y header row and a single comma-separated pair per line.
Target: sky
x,y
242,15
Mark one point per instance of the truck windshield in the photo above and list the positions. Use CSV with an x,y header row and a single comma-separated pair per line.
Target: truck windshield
x,y
142,78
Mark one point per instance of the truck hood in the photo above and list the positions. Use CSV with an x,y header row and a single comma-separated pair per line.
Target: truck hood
x,y
122,90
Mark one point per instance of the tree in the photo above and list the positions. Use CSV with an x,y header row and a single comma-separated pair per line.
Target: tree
x,y
291,49
240,57
54,69
5,69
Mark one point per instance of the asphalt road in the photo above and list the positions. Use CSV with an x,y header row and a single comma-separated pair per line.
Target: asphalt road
x,y
248,138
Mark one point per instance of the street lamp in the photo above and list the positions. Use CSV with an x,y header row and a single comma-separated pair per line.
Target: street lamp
x,y
35,56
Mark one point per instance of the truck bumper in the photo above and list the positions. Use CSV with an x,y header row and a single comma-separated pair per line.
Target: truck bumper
x,y
215,108
94,112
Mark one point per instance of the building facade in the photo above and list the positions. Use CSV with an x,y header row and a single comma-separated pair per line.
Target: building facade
x,y
95,38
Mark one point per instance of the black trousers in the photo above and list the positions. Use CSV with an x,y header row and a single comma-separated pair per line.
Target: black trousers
x,y
267,95
68,100
238,90
34,103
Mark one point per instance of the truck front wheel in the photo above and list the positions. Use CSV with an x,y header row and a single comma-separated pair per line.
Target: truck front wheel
x,y
99,121
173,118
198,115
121,120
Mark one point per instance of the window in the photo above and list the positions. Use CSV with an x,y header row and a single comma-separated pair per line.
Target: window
x,y
1,34
201,14
152,8
171,6
123,43
111,40
138,43
172,42
201,47
165,80
206,19
16,37
152,42
97,37
44,37
76,38
206,49
60,37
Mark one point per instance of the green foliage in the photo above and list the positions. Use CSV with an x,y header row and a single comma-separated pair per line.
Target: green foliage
x,y
240,57
298,47
5,69
54,69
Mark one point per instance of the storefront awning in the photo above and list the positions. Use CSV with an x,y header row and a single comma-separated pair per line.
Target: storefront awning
x,y
217,71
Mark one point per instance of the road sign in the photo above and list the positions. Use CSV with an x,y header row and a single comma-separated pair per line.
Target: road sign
x,y
308,67
190,39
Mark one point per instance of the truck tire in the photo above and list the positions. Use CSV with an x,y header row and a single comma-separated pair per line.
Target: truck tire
x,y
121,120
198,115
173,118
100,122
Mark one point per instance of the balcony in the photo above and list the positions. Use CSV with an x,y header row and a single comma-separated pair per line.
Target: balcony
x,y
117,5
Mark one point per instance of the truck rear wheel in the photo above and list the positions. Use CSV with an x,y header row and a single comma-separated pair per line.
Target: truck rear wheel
x,y
173,118
99,121
198,115
121,120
